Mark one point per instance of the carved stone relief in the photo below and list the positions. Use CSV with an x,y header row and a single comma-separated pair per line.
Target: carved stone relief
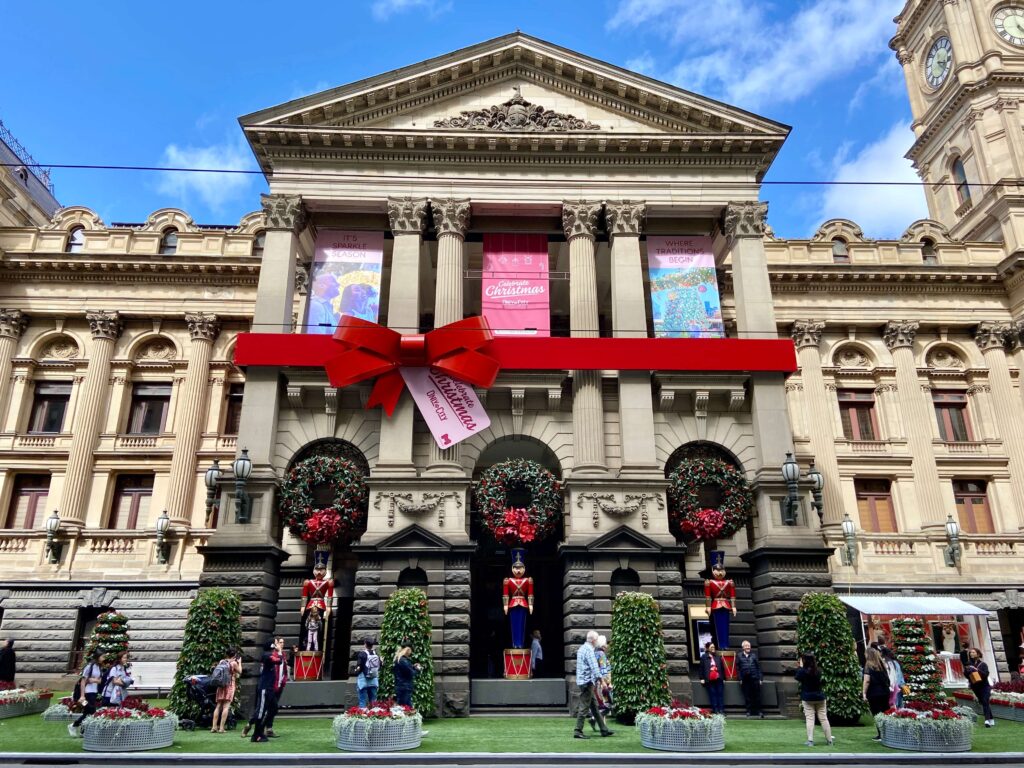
x,y
516,114
851,357
155,350
60,348
631,504
944,358
431,502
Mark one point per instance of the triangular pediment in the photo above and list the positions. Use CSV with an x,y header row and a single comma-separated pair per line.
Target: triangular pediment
x,y
414,537
624,540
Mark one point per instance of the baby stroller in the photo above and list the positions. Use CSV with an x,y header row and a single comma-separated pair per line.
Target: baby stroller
x,y
204,694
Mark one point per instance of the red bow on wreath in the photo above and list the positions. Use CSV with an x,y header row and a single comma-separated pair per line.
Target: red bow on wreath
x,y
373,350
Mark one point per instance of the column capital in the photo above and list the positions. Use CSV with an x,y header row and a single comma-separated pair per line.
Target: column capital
x,y
807,333
105,325
202,326
899,333
12,323
745,219
451,216
284,212
625,217
579,218
407,215
991,335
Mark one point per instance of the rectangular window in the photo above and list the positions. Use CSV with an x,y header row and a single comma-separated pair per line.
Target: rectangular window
x,y
874,503
857,409
951,413
49,406
28,501
132,495
149,408
972,506
234,409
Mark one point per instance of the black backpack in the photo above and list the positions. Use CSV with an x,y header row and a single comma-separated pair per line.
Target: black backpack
x,y
221,677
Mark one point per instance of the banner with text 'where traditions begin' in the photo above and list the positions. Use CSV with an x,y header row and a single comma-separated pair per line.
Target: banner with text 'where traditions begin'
x,y
344,278
515,295
684,287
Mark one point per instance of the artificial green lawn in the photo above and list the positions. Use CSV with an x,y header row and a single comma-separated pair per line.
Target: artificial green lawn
x,y
30,733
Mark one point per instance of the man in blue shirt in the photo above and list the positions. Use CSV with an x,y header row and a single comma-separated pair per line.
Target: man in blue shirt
x,y
587,675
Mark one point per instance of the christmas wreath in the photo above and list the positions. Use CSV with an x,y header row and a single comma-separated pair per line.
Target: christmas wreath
x,y
515,526
345,517
688,518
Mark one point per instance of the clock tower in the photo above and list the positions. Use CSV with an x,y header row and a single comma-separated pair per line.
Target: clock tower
x,y
964,65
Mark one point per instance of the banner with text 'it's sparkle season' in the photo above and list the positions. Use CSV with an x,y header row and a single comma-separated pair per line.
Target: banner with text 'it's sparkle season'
x,y
344,278
684,287
515,295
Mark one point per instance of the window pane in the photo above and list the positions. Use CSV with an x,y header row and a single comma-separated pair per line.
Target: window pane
x,y
865,424
943,420
131,501
866,511
28,501
48,414
958,423
844,414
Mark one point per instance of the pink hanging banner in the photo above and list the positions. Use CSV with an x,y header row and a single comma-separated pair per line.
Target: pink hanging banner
x,y
450,407
515,295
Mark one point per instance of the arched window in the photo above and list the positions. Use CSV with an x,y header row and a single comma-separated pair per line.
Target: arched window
x,y
258,244
963,190
412,577
76,240
169,242
840,253
928,254
624,580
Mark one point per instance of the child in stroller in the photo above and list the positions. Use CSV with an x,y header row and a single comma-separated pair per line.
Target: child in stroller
x,y
202,691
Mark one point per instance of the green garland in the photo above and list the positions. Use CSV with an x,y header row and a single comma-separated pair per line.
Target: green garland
x,y
545,505
341,521
688,519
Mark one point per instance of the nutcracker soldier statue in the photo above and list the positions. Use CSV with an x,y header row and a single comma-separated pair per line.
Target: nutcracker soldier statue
x,y
720,600
517,598
318,594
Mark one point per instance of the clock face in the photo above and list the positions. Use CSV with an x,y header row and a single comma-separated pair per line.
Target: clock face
x,y
1009,23
939,62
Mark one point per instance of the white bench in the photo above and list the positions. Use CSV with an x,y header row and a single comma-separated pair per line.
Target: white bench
x,y
153,675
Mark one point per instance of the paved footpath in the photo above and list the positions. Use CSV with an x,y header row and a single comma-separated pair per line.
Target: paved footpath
x,y
499,760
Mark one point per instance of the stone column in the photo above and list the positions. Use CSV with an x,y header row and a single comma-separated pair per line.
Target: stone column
x,y
991,339
203,328
807,337
919,417
106,328
451,220
408,217
629,318
579,220
12,326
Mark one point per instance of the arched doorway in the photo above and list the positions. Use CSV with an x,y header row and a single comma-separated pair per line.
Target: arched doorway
x,y
489,627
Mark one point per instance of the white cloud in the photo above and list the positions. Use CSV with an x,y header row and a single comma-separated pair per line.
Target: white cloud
x,y
382,10
738,51
214,190
888,80
643,64
882,211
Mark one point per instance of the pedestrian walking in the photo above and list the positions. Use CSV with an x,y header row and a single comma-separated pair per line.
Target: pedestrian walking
x,y
8,665
751,676
269,662
876,685
894,669
119,679
977,678
812,698
536,655
230,667
603,689
712,677
282,675
88,686
368,680
587,677
405,674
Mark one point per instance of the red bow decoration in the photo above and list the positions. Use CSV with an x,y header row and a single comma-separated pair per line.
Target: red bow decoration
x,y
373,350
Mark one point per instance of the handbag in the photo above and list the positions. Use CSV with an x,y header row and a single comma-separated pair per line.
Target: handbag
x,y
974,676
713,673
905,690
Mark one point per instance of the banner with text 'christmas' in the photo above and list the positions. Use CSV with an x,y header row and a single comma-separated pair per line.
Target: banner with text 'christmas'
x,y
344,278
515,294
684,287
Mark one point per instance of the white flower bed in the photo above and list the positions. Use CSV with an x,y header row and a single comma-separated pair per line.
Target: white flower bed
x,y
381,727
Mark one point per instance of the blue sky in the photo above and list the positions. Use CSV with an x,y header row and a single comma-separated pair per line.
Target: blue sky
x,y
162,85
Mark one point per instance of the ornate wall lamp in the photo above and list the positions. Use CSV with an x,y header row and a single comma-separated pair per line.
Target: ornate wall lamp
x,y
53,547
953,549
163,547
850,539
212,480
791,474
242,467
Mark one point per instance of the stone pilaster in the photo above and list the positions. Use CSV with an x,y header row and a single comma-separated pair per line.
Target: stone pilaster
x,y
451,220
455,684
12,326
629,318
408,219
991,339
669,594
579,220
920,416
578,595
106,328
807,337
203,328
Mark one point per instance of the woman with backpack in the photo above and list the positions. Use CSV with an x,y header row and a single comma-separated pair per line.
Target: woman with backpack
x,y
367,681
225,677
876,685
119,679
812,698
87,689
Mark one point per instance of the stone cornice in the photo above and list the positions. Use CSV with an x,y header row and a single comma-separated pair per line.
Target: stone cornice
x,y
450,216
625,217
121,268
897,279
407,215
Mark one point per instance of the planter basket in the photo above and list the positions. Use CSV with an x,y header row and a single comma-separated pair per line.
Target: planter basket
x,y
131,736
380,736
23,708
922,737
1004,712
677,736
60,714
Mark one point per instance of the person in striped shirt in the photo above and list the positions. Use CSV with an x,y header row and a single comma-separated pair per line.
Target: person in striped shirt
x,y
587,676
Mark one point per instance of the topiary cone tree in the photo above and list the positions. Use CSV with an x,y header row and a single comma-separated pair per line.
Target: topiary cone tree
x,y
637,654
213,625
822,629
109,637
406,618
916,655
